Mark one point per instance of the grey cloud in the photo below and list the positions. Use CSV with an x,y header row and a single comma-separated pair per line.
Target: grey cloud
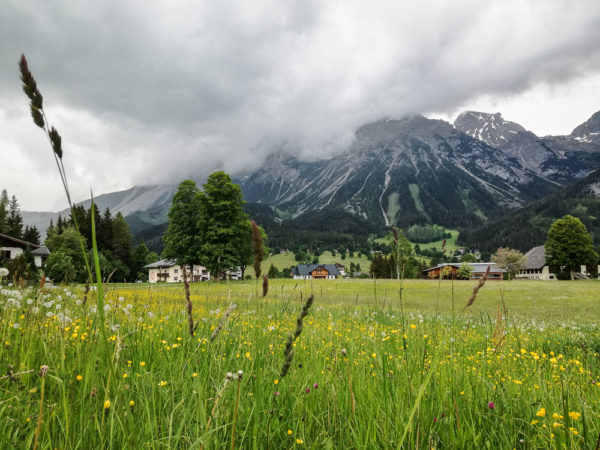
x,y
153,92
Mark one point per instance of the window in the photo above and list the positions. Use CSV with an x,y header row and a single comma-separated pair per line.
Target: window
x,y
175,279
176,271
5,254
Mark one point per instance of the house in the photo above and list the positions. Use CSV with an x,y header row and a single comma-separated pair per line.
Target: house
x,y
477,270
169,272
536,267
11,247
341,269
315,272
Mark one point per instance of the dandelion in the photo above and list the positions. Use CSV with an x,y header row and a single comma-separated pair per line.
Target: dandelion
x,y
275,381
106,404
142,364
79,378
131,403
289,432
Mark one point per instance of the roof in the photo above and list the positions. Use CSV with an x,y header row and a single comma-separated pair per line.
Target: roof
x,y
163,263
41,251
536,257
475,267
306,269
19,241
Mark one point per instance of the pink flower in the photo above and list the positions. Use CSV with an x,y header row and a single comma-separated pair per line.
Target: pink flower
x,y
491,405
316,385
307,390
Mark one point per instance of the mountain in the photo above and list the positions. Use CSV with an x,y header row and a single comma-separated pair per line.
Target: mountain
x,y
149,204
396,172
559,159
528,227
399,172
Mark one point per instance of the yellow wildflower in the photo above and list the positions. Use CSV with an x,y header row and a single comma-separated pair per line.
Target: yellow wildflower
x,y
106,404
541,412
574,415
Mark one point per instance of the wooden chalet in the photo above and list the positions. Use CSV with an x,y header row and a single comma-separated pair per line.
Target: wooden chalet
x,y
450,270
315,272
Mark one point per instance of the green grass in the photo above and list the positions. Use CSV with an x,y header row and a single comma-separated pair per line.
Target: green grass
x,y
286,260
369,371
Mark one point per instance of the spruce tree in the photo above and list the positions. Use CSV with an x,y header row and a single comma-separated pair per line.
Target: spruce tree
x,y
15,219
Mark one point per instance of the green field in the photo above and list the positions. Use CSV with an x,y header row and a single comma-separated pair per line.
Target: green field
x,y
286,260
520,368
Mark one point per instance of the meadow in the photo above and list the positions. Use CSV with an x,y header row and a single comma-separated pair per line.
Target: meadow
x,y
377,364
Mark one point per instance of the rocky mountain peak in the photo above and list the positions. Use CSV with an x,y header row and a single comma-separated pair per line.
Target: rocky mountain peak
x,y
489,128
589,131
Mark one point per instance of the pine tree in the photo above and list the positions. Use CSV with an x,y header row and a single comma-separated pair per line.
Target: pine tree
x,y
121,247
4,212
31,235
15,219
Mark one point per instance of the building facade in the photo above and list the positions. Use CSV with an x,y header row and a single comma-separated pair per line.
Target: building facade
x,y
315,272
165,271
10,248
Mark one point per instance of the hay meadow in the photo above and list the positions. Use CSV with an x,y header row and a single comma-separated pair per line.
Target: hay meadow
x,y
378,364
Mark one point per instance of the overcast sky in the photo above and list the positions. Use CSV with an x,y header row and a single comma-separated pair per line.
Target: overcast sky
x,y
147,92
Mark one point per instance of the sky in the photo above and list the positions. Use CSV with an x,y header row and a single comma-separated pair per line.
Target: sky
x,y
156,91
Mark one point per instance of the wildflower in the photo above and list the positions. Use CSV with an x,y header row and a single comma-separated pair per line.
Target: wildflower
x,y
541,412
289,432
194,375
574,415
142,363
162,383
299,441
106,404
131,403
491,405
307,390
79,378
125,375
573,430
276,393
533,422
557,425
555,416
316,385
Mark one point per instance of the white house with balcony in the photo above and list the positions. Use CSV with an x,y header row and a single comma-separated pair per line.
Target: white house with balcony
x,y
167,271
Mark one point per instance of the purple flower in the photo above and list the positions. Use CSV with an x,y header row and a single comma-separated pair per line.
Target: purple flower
x,y
276,393
316,385
307,390
491,405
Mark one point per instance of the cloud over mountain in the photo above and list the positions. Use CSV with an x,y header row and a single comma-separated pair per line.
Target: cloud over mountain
x,y
148,93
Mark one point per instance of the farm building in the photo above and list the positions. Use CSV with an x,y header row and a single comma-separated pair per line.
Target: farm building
x,y
538,269
315,272
11,247
477,270
169,272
